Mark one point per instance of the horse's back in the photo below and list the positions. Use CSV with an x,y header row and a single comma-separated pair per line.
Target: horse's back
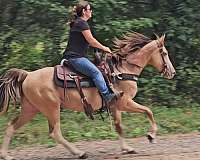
x,y
43,74
40,88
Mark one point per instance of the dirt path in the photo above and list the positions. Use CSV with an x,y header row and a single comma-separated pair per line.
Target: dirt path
x,y
173,147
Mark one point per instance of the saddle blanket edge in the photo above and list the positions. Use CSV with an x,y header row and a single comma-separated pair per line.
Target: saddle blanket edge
x,y
70,83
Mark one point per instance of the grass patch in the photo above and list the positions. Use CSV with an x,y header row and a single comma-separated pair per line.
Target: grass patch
x,y
76,126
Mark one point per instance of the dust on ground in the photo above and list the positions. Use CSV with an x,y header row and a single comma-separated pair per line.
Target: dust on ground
x,y
172,147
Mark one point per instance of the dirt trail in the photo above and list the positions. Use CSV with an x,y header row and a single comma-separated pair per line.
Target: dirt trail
x,y
173,147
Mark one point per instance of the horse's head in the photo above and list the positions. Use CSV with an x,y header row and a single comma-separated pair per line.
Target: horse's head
x,y
137,51
160,59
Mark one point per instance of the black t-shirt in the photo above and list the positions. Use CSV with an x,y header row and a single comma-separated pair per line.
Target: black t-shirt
x,y
77,44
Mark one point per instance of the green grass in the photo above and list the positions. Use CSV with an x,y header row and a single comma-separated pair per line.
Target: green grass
x,y
76,126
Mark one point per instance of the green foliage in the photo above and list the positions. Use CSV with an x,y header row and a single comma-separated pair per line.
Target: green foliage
x,y
76,126
31,36
34,33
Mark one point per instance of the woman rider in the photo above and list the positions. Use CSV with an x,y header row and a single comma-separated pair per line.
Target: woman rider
x,y
80,37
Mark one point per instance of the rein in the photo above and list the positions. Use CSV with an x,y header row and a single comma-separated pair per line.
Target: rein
x,y
121,76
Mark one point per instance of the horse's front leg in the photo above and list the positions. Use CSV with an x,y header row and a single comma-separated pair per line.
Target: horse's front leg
x,y
55,133
135,107
117,121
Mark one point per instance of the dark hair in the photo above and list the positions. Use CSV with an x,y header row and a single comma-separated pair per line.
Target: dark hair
x,y
77,11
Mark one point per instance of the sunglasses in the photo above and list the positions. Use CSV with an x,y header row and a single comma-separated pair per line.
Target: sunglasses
x,y
90,9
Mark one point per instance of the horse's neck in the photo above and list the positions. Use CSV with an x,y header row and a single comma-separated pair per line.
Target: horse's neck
x,y
136,62
135,65
131,68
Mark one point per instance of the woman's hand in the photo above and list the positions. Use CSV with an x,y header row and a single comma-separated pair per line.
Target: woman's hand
x,y
107,49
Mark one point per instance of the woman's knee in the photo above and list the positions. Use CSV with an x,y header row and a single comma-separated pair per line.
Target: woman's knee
x,y
97,73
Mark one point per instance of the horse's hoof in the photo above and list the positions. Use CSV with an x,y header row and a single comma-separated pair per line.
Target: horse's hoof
x,y
6,157
129,152
151,139
83,156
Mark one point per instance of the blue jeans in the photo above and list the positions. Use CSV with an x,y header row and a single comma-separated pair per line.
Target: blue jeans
x,y
86,67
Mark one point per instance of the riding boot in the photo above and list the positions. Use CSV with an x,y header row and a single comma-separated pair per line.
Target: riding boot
x,y
112,97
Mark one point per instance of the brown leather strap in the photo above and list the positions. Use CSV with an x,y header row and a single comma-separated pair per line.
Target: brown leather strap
x,y
65,86
106,72
87,107
77,81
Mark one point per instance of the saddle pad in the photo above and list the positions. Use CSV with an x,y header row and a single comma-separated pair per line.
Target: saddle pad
x,y
59,78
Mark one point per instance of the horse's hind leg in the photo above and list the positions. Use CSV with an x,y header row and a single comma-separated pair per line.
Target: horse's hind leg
x,y
27,113
55,133
135,107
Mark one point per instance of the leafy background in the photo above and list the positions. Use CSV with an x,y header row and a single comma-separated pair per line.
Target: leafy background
x,y
34,33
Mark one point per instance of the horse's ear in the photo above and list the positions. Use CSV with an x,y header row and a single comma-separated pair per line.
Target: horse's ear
x,y
164,36
157,37
162,39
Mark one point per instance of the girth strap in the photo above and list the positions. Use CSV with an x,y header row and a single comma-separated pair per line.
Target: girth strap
x,y
65,85
126,76
87,107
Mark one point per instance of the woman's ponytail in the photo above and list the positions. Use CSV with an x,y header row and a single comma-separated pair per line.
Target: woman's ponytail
x,y
77,11
72,16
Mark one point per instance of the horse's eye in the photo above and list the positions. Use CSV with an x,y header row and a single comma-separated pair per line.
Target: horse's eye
x,y
161,50
164,53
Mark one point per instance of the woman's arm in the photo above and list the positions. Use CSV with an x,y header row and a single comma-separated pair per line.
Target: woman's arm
x,y
93,42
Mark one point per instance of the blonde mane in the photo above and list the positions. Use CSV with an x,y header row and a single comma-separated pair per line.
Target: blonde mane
x,y
130,43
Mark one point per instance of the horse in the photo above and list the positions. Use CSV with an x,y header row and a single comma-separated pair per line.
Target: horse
x,y
134,52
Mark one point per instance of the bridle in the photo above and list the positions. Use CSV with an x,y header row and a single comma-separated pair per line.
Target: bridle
x,y
162,53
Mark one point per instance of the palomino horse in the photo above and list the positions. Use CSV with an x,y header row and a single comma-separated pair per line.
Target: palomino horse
x,y
134,52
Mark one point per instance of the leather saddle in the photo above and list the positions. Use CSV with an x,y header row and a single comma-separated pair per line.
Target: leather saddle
x,y
65,73
66,76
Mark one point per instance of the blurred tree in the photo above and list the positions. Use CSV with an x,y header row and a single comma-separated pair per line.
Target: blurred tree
x,y
34,33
